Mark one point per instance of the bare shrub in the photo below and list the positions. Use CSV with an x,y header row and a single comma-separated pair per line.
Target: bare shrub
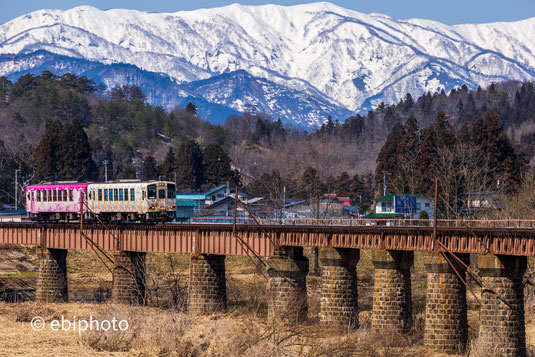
x,y
113,340
247,296
25,312
165,287
108,341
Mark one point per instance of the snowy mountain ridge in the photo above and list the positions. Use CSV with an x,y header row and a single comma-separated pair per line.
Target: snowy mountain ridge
x,y
340,60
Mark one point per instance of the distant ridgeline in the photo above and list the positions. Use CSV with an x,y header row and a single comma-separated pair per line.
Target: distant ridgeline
x,y
124,130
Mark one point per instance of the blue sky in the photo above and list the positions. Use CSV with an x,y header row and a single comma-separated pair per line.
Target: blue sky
x,y
446,11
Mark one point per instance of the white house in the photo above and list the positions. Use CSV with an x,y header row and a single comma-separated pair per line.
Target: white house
x,y
223,191
401,206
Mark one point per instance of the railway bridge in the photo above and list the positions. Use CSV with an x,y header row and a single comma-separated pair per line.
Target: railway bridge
x,y
503,248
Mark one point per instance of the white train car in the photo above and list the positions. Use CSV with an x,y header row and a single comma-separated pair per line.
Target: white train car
x,y
132,200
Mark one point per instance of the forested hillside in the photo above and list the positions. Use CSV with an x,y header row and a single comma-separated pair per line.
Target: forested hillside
x,y
137,139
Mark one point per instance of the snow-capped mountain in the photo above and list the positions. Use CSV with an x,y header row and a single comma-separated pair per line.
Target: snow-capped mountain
x,y
300,63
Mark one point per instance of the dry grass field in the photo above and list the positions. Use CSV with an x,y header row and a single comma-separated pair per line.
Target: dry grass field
x,y
163,329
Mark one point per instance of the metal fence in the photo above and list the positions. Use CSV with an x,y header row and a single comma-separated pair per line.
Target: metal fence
x,y
503,223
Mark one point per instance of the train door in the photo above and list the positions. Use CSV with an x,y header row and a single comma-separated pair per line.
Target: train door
x,y
31,200
79,201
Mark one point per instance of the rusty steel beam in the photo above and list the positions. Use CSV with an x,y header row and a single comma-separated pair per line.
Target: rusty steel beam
x,y
219,238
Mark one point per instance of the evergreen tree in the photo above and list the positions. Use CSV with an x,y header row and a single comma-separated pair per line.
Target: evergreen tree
x,y
410,142
488,134
217,166
167,168
403,179
387,160
191,108
75,106
23,86
75,160
190,167
426,161
445,136
5,87
149,169
64,153
45,156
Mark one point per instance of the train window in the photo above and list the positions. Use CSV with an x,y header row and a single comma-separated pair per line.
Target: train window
x,y
121,197
132,195
100,194
115,194
151,189
54,195
45,195
64,195
161,193
126,194
38,196
105,194
71,195
171,191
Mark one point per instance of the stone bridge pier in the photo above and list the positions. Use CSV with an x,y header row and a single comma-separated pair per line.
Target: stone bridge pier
x,y
446,323
392,299
287,285
207,291
129,278
339,296
502,329
52,283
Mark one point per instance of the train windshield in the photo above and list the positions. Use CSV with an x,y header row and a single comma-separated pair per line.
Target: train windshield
x,y
171,191
151,191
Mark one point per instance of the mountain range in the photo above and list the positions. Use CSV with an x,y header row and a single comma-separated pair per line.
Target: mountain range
x,y
299,63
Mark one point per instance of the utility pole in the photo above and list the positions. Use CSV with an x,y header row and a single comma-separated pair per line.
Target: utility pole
x,y
435,214
283,199
17,189
105,162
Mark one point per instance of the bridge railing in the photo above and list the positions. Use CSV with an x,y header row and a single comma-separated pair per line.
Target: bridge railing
x,y
503,223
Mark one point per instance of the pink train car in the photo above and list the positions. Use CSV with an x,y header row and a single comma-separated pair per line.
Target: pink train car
x,y
58,201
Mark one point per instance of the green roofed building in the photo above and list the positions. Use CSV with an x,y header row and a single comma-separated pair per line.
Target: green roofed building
x,y
184,209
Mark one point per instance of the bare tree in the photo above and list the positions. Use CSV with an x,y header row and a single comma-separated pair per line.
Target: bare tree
x,y
466,179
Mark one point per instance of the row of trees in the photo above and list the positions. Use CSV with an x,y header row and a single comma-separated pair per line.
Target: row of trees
x,y
194,169
64,153
476,161
310,187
